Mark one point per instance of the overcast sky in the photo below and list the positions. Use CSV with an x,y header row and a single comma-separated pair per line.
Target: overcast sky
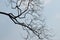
x,y
10,31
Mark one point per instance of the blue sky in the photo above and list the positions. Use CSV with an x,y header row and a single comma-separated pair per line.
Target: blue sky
x,y
52,12
10,31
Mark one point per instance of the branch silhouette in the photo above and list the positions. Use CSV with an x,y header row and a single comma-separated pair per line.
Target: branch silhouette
x,y
29,9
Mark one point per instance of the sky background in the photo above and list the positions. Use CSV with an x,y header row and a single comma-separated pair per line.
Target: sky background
x,y
10,31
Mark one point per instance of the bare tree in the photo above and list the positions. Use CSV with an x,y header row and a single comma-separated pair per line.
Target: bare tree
x,y
29,14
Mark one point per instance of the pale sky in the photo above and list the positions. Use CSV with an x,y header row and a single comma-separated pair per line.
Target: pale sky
x,y
10,31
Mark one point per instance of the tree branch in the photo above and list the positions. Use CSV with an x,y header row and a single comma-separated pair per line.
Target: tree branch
x,y
11,16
